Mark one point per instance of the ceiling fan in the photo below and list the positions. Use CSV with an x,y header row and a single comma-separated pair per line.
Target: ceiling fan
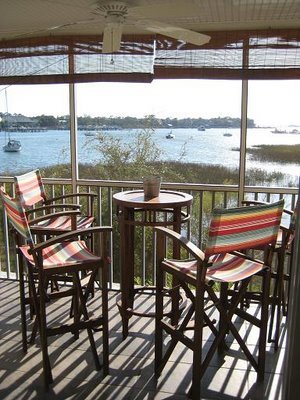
x,y
116,13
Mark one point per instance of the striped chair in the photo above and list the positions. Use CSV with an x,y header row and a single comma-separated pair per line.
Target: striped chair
x,y
279,276
222,264
63,254
31,192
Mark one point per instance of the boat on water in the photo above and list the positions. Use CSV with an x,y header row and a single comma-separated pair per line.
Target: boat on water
x,y
295,132
276,130
170,135
12,146
201,128
89,133
227,134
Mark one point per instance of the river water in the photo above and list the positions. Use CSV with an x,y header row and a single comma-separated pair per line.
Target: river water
x,y
41,149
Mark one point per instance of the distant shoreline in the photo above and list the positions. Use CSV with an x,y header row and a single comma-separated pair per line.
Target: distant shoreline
x,y
95,123
188,146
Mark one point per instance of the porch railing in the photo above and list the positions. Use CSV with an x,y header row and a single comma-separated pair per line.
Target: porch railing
x,y
206,197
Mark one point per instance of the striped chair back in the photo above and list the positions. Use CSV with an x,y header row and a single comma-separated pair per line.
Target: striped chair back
x,y
244,228
16,215
30,189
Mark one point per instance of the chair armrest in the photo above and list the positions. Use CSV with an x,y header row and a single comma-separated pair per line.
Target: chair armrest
x,y
53,206
53,215
71,195
286,229
289,212
253,202
71,235
183,241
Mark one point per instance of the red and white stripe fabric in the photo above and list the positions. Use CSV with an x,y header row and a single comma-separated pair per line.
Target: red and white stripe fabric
x,y
222,267
30,189
63,254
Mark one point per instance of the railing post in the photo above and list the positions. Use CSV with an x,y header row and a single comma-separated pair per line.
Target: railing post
x,y
73,127
6,244
291,382
243,136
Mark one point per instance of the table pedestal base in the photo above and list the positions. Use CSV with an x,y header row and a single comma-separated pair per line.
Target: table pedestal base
x,y
140,306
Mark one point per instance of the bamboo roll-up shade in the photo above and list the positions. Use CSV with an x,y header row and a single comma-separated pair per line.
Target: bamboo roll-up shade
x,y
268,54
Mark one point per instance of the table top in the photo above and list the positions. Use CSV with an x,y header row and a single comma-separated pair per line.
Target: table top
x,y
166,198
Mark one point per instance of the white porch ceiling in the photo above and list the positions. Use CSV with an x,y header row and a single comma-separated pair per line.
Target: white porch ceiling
x,y
31,18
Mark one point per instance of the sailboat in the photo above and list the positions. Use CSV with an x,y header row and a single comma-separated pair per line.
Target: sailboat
x,y
170,135
12,145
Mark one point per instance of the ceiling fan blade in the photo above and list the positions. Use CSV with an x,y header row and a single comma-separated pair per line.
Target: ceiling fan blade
x,y
55,28
112,35
174,32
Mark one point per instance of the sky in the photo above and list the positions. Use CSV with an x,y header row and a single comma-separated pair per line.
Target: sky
x,y
271,103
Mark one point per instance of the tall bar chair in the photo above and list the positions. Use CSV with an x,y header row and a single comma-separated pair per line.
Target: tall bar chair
x,y
32,195
280,273
31,192
221,265
67,254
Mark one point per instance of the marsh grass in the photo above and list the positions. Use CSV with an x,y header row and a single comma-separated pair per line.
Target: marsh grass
x,y
169,171
276,153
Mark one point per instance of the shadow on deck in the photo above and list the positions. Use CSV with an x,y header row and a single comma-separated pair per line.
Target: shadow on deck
x,y
131,363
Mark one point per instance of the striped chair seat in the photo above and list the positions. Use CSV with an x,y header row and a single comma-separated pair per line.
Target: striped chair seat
x,y
64,254
224,267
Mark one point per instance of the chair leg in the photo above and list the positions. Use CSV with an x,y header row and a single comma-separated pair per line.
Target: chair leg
x,y
284,295
263,324
161,247
31,307
177,335
228,325
287,278
280,294
75,308
34,331
198,370
22,304
224,303
105,331
158,318
48,378
34,304
83,311
277,306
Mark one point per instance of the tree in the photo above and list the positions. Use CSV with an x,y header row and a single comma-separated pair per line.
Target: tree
x,y
121,160
47,121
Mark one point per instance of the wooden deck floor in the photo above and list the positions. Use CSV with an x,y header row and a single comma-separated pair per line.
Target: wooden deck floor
x,y
131,363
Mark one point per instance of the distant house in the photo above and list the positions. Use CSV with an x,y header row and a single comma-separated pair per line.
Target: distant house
x,y
18,122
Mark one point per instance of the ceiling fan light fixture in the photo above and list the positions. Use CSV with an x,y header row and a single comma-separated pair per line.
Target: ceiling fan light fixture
x,y
115,13
111,7
112,36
